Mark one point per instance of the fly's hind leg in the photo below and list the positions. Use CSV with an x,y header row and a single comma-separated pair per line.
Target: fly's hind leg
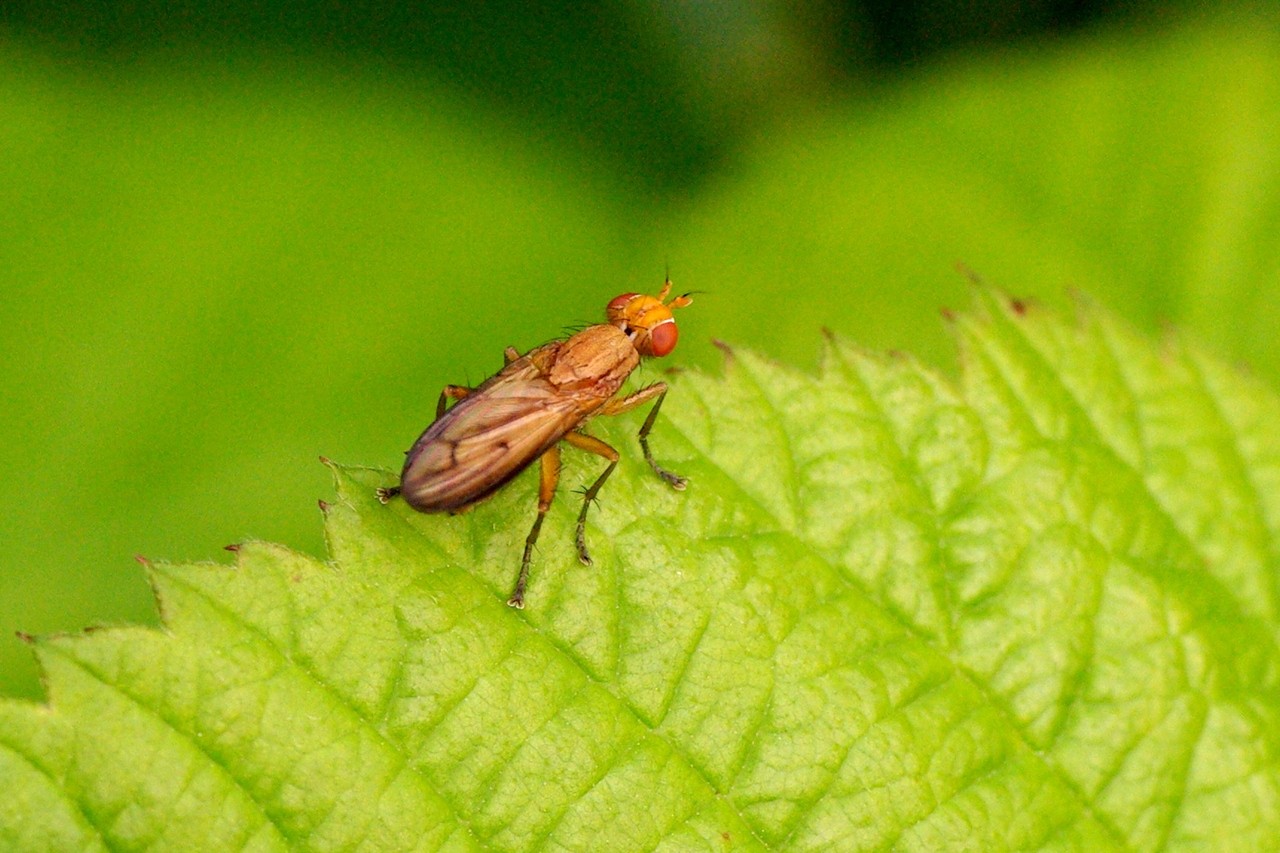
x,y
639,398
549,477
590,443
451,392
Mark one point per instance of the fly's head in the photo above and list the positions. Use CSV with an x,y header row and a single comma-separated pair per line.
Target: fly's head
x,y
647,320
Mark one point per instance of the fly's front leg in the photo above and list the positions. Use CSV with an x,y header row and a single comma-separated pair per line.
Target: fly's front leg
x,y
549,477
590,443
639,398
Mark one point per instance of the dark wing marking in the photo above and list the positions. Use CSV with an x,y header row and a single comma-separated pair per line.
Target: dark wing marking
x,y
487,438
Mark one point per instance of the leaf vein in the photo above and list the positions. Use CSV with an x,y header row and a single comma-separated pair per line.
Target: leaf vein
x,y
329,690
60,787
186,737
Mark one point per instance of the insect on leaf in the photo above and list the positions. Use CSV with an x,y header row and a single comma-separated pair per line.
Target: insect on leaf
x,y
1032,609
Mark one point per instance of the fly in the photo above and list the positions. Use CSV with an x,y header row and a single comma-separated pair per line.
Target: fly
x,y
523,412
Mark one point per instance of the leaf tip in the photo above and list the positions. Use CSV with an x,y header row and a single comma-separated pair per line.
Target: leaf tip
x,y
1018,306
724,348
1085,309
143,561
324,505
1171,342
969,272
233,547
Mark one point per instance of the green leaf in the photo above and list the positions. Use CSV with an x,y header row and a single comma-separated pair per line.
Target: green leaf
x,y
215,268
1034,610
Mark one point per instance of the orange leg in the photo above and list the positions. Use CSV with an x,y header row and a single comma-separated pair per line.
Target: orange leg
x,y
590,443
451,392
549,477
639,398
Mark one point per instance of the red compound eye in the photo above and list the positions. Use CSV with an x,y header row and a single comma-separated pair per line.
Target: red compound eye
x,y
663,337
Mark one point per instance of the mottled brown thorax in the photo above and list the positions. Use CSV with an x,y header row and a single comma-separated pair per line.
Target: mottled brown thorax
x,y
596,362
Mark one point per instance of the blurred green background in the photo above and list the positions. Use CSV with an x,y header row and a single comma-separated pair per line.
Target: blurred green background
x,y
236,236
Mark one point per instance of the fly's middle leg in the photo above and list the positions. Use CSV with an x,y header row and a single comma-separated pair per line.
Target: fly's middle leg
x,y
639,398
549,477
590,443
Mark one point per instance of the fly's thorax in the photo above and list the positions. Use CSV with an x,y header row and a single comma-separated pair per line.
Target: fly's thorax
x,y
595,361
